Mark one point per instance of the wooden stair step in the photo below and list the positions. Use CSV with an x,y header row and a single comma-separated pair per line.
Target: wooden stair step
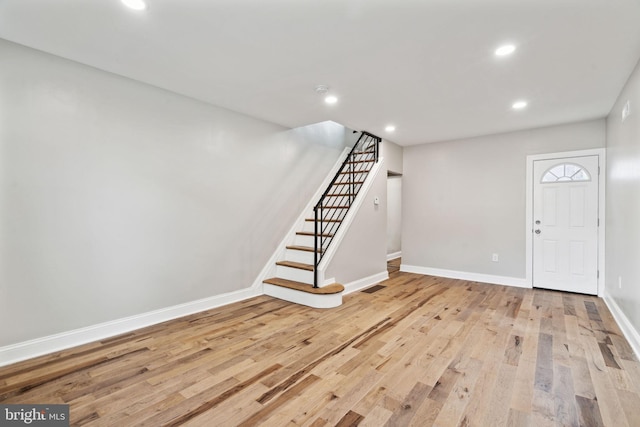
x,y
333,288
298,265
311,233
303,248
361,161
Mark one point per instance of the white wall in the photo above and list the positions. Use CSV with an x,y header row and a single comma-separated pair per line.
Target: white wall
x,y
118,198
464,200
623,203
392,154
394,214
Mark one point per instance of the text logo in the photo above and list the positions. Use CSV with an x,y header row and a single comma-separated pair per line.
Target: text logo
x,y
34,415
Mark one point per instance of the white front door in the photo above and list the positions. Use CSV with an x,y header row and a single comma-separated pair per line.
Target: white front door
x,y
565,224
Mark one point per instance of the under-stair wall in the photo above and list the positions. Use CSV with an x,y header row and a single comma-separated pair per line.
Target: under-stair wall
x,y
360,259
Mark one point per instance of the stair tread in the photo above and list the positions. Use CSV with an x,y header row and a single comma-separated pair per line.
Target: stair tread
x,y
311,233
303,248
333,288
298,265
362,161
324,220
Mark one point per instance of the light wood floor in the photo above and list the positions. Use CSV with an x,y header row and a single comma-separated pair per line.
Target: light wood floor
x,y
414,350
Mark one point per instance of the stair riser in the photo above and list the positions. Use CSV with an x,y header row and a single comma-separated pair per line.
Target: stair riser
x,y
309,227
346,188
337,201
304,257
303,240
311,300
296,274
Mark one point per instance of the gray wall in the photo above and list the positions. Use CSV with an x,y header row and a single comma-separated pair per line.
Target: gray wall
x,y
623,203
362,252
393,158
394,214
464,200
118,198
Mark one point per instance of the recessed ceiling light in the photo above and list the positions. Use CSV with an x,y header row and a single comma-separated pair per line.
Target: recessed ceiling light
x,y
505,50
330,99
519,105
135,4
390,128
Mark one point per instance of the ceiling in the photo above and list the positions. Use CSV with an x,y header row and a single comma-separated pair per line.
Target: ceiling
x,y
426,66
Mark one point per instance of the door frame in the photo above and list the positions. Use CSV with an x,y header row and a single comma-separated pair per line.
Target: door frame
x,y
601,153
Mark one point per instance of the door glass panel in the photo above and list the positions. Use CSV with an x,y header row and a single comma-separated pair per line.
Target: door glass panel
x,y
565,172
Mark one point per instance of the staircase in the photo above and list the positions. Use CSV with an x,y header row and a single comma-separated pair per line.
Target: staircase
x,y
297,273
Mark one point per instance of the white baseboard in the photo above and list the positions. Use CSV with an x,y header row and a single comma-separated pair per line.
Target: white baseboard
x,y
394,255
463,275
365,282
52,343
630,333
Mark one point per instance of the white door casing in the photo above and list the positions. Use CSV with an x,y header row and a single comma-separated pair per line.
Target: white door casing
x,y
565,224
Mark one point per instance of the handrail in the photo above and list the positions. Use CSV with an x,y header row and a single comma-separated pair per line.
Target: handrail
x,y
340,194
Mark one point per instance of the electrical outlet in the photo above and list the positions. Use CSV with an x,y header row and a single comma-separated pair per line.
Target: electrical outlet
x,y
495,258
619,282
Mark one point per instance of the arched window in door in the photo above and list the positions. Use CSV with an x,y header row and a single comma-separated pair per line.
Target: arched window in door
x,y
565,172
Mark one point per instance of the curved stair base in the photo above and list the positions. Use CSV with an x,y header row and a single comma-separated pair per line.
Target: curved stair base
x,y
301,293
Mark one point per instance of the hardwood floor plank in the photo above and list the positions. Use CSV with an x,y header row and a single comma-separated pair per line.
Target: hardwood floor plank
x,y
611,413
607,355
351,419
630,403
565,413
452,411
415,350
518,419
544,364
589,412
513,351
498,411
314,400
283,399
376,417
409,405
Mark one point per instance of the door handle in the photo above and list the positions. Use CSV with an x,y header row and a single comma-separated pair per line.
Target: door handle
x,y
538,231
